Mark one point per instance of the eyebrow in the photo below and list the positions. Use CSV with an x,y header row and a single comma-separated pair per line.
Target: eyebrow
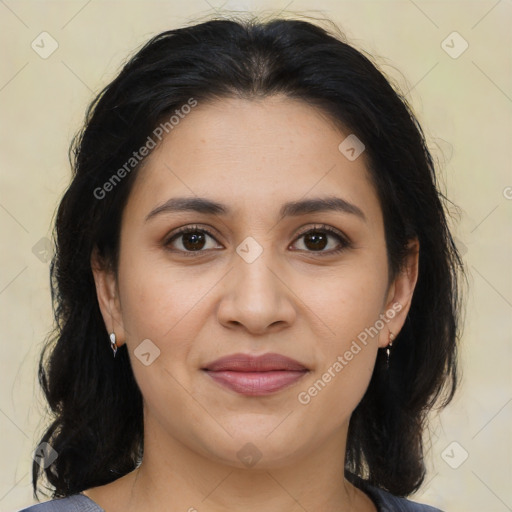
x,y
290,209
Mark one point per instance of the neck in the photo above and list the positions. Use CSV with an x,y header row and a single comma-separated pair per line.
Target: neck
x,y
172,473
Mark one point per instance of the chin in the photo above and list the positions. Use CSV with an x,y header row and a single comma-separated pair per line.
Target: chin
x,y
258,451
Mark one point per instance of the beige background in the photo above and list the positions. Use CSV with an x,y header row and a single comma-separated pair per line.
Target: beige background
x,y
464,103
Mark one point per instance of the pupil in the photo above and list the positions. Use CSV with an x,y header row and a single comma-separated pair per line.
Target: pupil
x,y
316,238
194,238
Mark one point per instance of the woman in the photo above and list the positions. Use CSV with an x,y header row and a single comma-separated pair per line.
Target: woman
x,y
255,287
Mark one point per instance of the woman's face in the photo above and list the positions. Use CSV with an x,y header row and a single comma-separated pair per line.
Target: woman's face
x,y
250,281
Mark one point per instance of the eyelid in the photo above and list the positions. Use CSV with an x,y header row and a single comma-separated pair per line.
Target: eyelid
x,y
324,227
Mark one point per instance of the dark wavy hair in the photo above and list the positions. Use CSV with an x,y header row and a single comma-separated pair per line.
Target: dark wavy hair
x,y
97,414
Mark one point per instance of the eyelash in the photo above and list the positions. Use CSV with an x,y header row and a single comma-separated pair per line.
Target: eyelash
x,y
345,242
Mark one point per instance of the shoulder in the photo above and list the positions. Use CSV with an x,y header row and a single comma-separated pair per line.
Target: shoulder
x,y
387,502
73,503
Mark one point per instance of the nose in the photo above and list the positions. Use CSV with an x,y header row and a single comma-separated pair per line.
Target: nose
x,y
256,297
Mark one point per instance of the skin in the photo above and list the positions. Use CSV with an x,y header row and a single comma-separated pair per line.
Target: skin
x,y
252,156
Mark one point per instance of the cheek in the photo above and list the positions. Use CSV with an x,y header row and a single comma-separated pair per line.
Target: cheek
x,y
169,306
157,297
350,306
327,401
161,305
346,300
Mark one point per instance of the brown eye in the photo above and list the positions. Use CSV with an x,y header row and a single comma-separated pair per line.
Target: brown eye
x,y
190,239
193,241
317,239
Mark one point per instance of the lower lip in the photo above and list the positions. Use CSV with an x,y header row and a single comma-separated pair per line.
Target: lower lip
x,y
256,383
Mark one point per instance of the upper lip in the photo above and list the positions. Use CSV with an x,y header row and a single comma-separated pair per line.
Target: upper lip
x,y
249,363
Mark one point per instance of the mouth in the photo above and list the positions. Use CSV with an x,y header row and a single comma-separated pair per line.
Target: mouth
x,y
255,375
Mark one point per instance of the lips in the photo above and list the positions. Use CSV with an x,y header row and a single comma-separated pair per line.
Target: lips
x,y
255,375
247,363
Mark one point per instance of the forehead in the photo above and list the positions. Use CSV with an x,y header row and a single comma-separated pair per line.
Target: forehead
x,y
254,154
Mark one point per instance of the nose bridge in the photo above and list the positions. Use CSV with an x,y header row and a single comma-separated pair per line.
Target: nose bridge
x,y
255,295
252,273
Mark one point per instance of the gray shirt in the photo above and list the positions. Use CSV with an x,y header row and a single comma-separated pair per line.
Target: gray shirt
x,y
384,502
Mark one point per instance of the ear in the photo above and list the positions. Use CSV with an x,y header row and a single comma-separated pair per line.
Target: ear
x,y
108,297
399,296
